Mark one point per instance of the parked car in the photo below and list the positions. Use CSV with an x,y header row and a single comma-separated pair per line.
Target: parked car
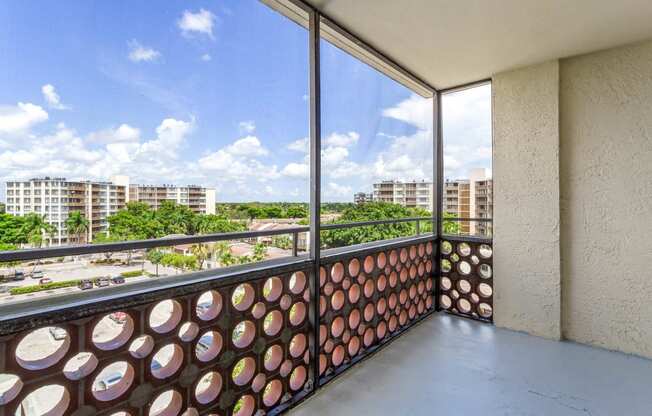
x,y
118,317
85,284
102,281
19,275
37,274
44,281
117,280
58,333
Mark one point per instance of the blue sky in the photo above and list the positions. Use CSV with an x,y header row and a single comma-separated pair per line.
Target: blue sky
x,y
206,92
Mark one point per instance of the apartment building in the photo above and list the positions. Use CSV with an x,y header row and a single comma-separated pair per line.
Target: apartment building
x,y
362,197
470,198
56,198
415,194
199,199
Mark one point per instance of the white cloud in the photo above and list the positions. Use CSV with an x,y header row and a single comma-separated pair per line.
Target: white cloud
x,y
301,145
206,57
123,133
171,135
248,126
200,22
342,140
336,190
247,146
416,110
21,117
140,53
296,170
52,98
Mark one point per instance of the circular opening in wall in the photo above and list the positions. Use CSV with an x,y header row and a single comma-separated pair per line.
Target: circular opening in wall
x,y
243,371
338,355
272,393
381,260
298,378
369,264
381,283
392,301
209,305
297,313
369,312
167,361
337,272
368,338
485,310
273,323
393,257
369,288
165,316
445,266
10,387
208,387
464,268
113,381
381,330
485,290
445,301
354,318
112,331
354,293
485,251
464,286
243,334
79,366
464,305
337,327
485,271
188,331
337,300
272,289
168,403
393,279
446,247
475,260
208,346
404,255
354,346
464,249
258,311
422,250
381,306
42,348
413,252
455,257
298,345
273,357
243,297
141,346
354,268
245,406
52,400
297,282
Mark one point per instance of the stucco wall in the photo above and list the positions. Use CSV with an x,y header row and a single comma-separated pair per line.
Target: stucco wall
x,y
526,200
606,190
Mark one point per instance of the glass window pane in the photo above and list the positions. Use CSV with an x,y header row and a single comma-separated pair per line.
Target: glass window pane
x,y
467,140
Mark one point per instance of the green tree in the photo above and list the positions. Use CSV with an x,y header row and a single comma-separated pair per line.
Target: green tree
x,y
296,211
213,224
155,257
8,247
175,218
371,212
3,207
201,253
12,229
36,229
450,227
77,224
136,222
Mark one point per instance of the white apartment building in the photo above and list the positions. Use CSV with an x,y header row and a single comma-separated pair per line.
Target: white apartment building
x,y
199,199
56,198
471,198
410,194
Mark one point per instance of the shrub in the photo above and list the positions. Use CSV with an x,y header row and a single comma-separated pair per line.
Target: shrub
x,y
134,273
39,288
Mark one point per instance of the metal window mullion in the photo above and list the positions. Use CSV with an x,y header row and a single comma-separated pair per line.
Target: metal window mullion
x,y
315,189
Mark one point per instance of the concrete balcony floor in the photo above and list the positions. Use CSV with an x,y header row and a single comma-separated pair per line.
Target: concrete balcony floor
x,y
452,366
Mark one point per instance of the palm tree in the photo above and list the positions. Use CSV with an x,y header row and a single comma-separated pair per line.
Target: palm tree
x,y
35,228
77,225
201,252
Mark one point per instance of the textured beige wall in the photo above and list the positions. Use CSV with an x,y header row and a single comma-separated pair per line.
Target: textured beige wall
x,y
606,190
526,200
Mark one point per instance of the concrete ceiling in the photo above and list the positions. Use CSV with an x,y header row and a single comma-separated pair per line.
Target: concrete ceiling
x,y
451,42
